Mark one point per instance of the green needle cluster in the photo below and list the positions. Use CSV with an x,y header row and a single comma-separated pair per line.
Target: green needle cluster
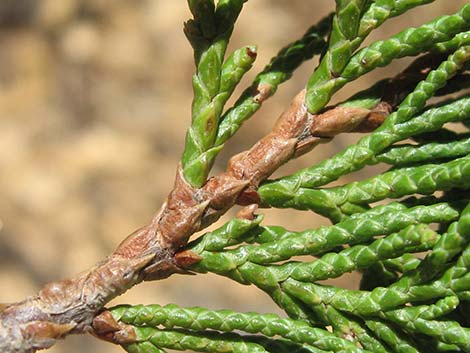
x,y
214,80
410,240
339,66
375,319
406,230
225,320
344,40
411,154
399,125
317,241
151,340
424,179
276,72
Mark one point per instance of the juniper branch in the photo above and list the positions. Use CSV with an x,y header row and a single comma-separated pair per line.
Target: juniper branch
x,y
311,242
374,319
412,154
407,43
425,179
398,126
225,320
350,27
150,340
214,80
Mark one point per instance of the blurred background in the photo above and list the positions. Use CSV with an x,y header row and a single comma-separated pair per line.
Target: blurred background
x,y
95,98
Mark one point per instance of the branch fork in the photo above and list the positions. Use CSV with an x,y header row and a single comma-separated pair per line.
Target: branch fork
x,y
153,251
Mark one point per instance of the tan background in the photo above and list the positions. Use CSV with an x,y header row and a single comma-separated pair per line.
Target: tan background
x,y
94,101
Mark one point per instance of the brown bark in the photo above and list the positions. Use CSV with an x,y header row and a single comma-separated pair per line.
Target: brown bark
x,y
69,306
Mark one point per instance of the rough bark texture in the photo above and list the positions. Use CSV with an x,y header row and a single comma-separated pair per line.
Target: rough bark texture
x,y
69,306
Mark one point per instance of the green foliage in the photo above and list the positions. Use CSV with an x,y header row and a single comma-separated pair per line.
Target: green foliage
x,y
413,248
226,320
277,71
214,80
400,125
